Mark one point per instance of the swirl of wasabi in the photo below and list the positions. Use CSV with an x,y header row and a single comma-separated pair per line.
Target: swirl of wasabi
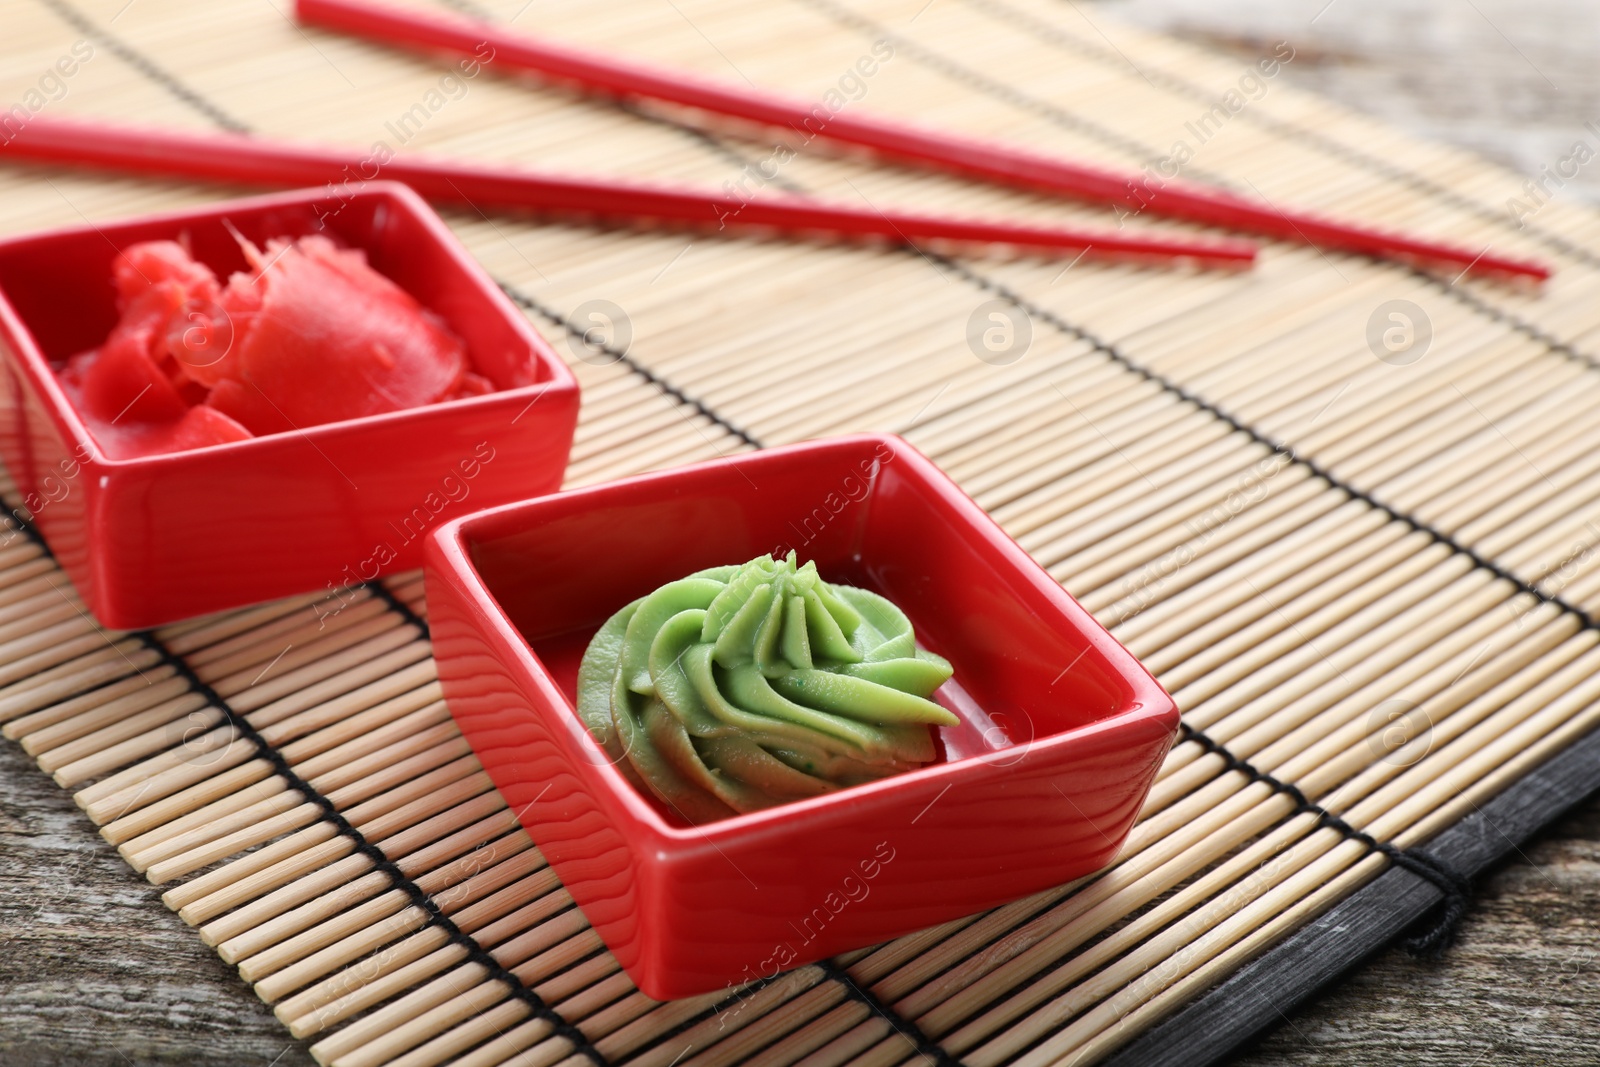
x,y
742,687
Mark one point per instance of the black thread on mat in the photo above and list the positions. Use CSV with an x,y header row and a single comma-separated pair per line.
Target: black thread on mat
x,y
527,302
144,65
925,1045
830,971
992,87
475,952
399,607
379,860
721,1007
1111,351
1437,927
1061,117
1317,470
1517,324
471,9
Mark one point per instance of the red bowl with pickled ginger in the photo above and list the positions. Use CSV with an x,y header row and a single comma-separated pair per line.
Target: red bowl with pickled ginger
x,y
261,397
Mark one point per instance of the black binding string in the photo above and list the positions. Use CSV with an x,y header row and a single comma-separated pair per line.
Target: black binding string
x,y
617,355
1318,471
398,606
436,915
1436,929
475,952
1059,116
926,1047
144,65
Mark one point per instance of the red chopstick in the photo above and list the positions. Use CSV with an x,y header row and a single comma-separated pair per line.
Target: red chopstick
x,y
898,141
235,158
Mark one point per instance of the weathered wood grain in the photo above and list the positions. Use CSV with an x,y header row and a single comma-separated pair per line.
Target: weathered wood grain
x,y
1521,985
1512,80
94,971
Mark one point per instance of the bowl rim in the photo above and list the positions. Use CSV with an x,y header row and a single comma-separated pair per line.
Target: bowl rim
x,y
75,431
448,549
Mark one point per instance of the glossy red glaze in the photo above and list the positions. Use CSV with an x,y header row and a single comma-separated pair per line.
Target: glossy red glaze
x,y
163,537
1061,736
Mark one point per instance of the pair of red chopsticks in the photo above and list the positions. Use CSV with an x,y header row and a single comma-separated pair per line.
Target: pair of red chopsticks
x,y
237,158
901,142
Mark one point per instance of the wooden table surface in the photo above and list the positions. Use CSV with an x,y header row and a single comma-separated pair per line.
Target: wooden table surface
x,y
93,970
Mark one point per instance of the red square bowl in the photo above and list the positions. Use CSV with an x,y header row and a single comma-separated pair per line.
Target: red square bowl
x,y
158,538
1061,729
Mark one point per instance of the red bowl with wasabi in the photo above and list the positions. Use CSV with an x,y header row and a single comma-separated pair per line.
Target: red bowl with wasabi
x,y
387,386
1057,736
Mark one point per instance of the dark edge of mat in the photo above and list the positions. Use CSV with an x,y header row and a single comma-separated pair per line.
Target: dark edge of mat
x,y
1260,996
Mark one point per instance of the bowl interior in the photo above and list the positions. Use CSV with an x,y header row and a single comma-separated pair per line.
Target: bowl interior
x,y
60,283
1028,665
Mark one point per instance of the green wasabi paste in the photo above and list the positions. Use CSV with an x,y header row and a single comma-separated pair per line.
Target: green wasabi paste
x,y
742,687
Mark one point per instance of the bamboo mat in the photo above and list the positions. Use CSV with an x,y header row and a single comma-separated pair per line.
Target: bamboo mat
x,y
1370,583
